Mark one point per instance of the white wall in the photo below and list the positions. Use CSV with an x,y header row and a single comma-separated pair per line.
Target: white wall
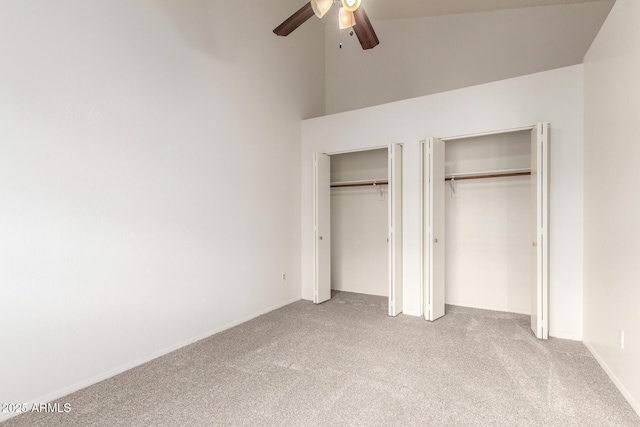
x,y
360,166
359,224
611,202
359,251
488,224
554,96
149,178
422,56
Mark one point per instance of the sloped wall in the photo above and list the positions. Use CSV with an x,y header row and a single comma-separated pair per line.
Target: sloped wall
x,y
422,56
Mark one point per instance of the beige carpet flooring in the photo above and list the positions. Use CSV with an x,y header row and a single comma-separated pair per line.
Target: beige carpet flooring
x,y
346,362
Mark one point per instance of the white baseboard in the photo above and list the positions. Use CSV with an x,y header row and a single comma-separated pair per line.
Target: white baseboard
x,y
632,401
113,372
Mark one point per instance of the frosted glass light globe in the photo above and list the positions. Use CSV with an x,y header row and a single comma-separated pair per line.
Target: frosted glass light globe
x,y
351,5
346,19
321,7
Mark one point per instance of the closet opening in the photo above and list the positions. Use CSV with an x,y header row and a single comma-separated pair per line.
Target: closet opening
x,y
485,224
488,262
358,224
359,218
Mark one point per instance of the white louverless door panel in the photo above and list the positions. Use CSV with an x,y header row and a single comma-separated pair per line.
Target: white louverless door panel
x,y
395,229
322,227
433,228
540,230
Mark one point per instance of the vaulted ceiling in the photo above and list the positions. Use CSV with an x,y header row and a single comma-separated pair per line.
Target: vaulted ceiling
x,y
430,46
400,9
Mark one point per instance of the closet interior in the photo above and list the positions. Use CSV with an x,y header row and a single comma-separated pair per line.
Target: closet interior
x,y
488,205
359,222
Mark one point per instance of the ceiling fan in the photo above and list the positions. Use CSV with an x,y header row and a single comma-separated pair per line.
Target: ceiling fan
x,y
351,15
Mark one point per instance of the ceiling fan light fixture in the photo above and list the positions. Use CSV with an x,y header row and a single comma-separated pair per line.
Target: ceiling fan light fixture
x,y
351,5
346,19
321,7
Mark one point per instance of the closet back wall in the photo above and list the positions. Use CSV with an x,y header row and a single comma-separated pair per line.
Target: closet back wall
x,y
359,223
488,250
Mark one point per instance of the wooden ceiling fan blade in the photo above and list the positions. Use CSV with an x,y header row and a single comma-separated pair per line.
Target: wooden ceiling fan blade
x,y
364,30
295,20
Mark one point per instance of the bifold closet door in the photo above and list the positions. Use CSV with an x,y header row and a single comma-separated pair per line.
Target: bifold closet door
x,y
395,229
540,230
433,238
321,227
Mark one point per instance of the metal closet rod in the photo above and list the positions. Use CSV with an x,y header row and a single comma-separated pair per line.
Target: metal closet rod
x,y
495,174
359,183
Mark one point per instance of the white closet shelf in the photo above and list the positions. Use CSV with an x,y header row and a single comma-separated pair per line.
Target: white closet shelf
x,y
487,174
359,183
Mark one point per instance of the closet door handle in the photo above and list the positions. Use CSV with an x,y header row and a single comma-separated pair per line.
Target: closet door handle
x,y
435,240
320,237
534,244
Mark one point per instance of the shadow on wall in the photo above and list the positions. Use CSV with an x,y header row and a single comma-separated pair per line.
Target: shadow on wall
x,y
207,26
224,29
